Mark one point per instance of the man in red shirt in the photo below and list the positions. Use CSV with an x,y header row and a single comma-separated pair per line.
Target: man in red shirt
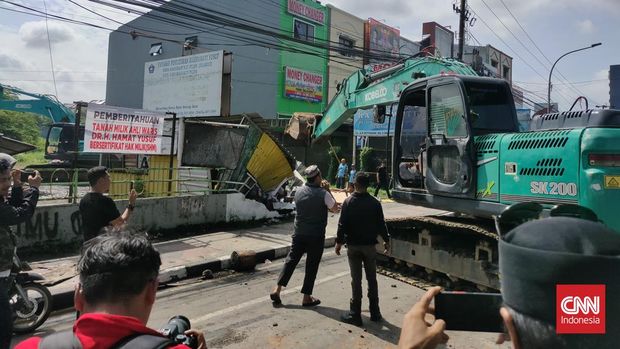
x,y
115,295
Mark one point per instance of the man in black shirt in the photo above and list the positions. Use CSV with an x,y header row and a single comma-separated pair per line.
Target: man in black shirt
x,y
361,220
383,180
99,211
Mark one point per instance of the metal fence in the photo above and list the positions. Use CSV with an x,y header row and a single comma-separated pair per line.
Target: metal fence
x,y
69,185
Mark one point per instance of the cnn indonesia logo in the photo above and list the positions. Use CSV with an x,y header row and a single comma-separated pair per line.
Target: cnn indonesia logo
x,y
580,309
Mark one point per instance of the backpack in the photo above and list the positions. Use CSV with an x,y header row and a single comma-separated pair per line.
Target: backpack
x,y
67,340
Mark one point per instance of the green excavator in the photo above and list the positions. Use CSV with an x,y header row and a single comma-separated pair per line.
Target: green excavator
x,y
457,147
60,148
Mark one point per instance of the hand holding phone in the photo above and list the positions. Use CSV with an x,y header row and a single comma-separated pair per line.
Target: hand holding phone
x,y
417,332
470,311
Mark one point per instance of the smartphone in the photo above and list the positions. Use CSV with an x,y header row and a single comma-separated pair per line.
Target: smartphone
x,y
25,174
470,311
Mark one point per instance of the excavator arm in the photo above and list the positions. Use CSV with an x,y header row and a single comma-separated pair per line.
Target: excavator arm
x,y
362,90
45,105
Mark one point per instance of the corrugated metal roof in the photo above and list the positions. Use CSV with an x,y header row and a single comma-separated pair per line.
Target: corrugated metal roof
x,y
11,146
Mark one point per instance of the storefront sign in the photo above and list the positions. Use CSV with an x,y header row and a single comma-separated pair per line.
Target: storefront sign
x,y
304,85
300,9
122,130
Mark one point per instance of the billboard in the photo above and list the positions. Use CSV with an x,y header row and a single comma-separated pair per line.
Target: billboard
x,y
363,124
303,85
381,40
122,130
190,86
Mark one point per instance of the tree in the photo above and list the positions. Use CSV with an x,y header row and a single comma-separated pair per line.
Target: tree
x,y
333,163
23,127
366,159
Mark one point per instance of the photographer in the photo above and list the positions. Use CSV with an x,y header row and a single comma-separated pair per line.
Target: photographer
x,y
98,210
14,209
534,258
118,284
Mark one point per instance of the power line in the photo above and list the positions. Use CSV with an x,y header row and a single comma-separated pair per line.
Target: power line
x,y
180,42
49,43
203,14
513,35
539,50
511,49
585,82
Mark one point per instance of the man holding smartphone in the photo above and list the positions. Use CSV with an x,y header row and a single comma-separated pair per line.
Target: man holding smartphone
x,y
536,260
14,209
99,211
361,221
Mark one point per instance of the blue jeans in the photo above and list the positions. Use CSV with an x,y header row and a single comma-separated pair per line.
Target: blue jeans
x,y
340,182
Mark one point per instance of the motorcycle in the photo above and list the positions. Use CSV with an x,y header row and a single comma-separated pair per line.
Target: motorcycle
x,y
31,302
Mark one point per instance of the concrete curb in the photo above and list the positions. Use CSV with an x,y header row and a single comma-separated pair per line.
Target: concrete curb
x,y
64,300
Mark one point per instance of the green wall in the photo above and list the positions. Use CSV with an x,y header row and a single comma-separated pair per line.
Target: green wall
x,y
315,62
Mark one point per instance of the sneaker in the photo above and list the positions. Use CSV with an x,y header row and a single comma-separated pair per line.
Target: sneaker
x,y
376,317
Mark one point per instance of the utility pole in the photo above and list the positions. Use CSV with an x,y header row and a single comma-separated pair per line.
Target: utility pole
x,y
463,18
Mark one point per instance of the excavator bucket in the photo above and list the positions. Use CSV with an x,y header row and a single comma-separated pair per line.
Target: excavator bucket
x,y
301,125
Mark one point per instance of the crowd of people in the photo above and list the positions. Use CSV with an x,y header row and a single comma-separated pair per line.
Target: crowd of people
x,y
118,268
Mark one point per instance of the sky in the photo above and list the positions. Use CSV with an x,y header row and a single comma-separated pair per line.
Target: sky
x,y
520,28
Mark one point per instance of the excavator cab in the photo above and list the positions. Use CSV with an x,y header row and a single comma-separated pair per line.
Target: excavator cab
x,y
59,144
437,121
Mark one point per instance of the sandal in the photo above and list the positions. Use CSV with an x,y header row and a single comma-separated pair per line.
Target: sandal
x,y
275,298
315,302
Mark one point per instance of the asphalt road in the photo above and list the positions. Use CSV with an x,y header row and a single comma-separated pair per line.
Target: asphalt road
x,y
234,311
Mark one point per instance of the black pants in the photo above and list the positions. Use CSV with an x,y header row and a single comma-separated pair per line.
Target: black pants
x,y
385,186
311,245
6,318
366,255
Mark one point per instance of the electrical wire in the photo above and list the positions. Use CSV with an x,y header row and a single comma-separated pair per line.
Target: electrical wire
x,y
49,43
538,48
514,51
200,13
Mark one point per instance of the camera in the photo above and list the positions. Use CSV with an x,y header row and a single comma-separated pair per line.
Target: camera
x,y
175,330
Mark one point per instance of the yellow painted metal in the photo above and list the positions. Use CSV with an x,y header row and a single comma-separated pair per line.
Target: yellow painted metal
x,y
268,165
148,182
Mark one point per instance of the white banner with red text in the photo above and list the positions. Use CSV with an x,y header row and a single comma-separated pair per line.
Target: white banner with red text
x,y
111,129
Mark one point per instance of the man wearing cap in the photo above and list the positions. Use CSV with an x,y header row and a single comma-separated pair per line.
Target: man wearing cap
x,y
534,259
14,209
312,201
99,211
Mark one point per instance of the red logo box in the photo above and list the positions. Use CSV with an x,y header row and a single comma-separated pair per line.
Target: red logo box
x,y
580,309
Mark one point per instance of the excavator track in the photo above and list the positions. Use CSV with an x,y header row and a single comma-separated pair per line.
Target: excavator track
x,y
455,252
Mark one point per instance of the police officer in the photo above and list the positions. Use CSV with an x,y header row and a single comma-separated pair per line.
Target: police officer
x,y
312,202
14,209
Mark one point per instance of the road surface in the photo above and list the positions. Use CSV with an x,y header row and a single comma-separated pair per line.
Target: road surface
x,y
234,311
